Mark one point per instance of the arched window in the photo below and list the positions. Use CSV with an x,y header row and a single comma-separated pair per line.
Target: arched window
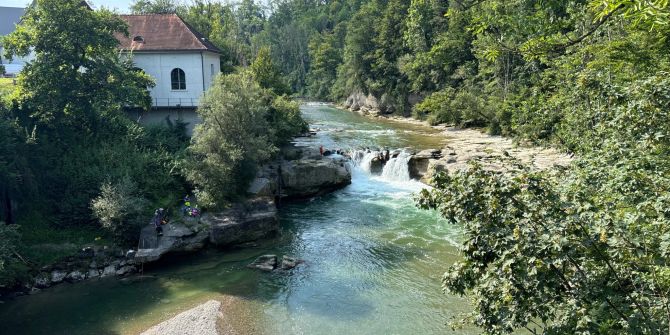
x,y
138,38
178,79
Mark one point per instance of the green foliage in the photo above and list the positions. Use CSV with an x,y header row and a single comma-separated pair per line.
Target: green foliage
x,y
326,57
578,251
154,6
66,122
9,238
286,119
242,125
75,48
267,75
120,208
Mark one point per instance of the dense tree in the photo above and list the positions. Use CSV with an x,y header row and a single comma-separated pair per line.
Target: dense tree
x,y
75,48
242,125
70,100
267,74
154,6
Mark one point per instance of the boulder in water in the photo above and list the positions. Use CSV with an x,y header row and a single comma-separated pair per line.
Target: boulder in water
x,y
57,276
418,164
93,273
42,280
264,263
377,164
288,263
310,177
108,271
75,276
125,270
244,222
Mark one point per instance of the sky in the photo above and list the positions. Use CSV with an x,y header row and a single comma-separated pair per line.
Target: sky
x,y
121,5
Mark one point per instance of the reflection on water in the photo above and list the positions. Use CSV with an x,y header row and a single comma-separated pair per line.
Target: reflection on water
x,y
373,263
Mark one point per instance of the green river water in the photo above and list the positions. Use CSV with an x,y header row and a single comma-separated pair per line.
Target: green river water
x,y
373,262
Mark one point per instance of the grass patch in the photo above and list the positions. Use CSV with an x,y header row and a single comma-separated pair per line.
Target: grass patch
x,y
45,244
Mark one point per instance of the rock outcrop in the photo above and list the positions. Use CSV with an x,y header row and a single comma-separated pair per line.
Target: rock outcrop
x,y
301,173
311,177
244,222
377,106
419,163
177,237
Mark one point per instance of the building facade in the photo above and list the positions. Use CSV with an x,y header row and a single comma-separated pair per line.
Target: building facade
x,y
181,61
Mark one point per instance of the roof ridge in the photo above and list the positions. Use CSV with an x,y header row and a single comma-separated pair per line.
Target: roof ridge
x,y
157,28
198,36
152,14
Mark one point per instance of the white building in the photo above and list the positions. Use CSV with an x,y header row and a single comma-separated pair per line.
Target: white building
x,y
9,18
182,62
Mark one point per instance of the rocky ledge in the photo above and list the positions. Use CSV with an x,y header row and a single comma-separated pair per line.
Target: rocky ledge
x,y
243,222
301,173
91,263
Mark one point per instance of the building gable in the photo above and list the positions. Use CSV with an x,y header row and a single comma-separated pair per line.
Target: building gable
x,y
162,32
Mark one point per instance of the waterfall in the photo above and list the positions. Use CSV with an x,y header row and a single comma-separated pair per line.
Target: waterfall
x,y
363,159
397,169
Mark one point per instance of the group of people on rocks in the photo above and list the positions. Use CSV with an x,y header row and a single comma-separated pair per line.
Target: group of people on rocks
x,y
189,209
326,152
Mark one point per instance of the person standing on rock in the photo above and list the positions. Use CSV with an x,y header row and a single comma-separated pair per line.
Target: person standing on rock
x,y
159,216
321,150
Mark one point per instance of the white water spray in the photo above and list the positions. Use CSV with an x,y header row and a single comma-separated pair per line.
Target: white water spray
x,y
363,159
397,169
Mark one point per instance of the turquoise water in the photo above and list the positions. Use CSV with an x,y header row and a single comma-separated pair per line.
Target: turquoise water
x,y
373,263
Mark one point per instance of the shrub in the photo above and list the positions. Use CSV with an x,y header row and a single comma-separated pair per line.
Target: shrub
x,y
9,239
120,208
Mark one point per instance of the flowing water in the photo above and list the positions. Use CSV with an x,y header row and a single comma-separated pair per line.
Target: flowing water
x,y
373,262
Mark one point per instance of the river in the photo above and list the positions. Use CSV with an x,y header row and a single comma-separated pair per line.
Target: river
x,y
373,262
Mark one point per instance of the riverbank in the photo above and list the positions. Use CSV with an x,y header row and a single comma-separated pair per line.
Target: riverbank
x,y
466,144
226,315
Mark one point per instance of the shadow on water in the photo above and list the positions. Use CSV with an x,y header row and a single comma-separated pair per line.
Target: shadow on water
x,y
106,306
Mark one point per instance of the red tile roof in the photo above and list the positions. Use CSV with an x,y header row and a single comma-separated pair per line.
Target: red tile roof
x,y
162,32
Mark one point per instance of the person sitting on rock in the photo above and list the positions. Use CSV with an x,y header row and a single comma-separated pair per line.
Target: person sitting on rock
x,y
187,205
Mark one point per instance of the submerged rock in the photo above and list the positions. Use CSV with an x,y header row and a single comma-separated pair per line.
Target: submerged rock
x,y
288,263
200,320
264,263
